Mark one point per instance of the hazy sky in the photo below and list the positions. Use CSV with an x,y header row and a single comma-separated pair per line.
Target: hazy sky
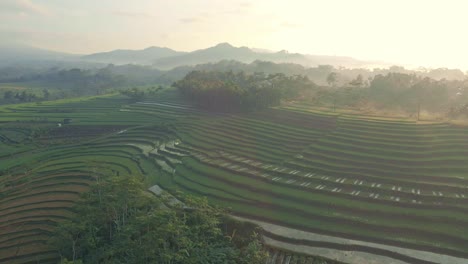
x,y
419,32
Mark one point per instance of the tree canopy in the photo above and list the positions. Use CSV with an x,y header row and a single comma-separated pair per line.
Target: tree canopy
x,y
229,91
117,221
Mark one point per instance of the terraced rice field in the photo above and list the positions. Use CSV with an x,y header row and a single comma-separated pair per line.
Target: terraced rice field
x,y
383,182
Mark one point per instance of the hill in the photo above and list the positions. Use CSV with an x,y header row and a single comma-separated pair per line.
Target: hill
x,y
145,56
225,51
11,54
166,58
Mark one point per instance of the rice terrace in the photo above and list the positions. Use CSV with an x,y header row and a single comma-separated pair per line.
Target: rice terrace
x,y
383,190
233,132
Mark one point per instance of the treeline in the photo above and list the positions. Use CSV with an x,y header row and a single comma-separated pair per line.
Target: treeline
x,y
229,91
143,75
118,221
408,93
73,82
21,97
138,94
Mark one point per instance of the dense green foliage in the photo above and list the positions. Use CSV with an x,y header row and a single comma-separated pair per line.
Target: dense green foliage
x,y
118,222
228,91
402,92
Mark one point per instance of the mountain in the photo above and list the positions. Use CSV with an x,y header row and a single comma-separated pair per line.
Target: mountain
x,y
166,59
225,51
18,53
145,56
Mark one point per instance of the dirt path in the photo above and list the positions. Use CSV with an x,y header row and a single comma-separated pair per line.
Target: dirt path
x,y
352,257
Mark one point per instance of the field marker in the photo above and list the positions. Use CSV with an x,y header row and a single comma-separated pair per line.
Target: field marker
x,y
307,184
397,199
358,193
419,191
353,192
267,166
361,183
265,175
371,195
318,186
393,188
337,180
440,194
456,195
283,169
277,178
291,181
342,181
242,169
376,196
339,190
378,185
399,189
373,185
355,182
463,196
334,190
412,190
392,198
434,193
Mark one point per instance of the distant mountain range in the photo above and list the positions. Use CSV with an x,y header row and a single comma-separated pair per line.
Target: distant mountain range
x,y
166,58
146,56
17,53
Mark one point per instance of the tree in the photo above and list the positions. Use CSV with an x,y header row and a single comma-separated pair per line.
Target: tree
x,y
8,95
134,93
46,94
358,82
332,78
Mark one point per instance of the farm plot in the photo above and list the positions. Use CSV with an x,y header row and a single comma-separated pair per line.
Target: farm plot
x,y
45,167
389,182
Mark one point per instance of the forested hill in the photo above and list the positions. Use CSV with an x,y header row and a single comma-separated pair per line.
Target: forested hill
x,y
229,91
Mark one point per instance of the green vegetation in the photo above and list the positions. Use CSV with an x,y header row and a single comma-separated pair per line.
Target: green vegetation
x,y
117,221
228,91
390,181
